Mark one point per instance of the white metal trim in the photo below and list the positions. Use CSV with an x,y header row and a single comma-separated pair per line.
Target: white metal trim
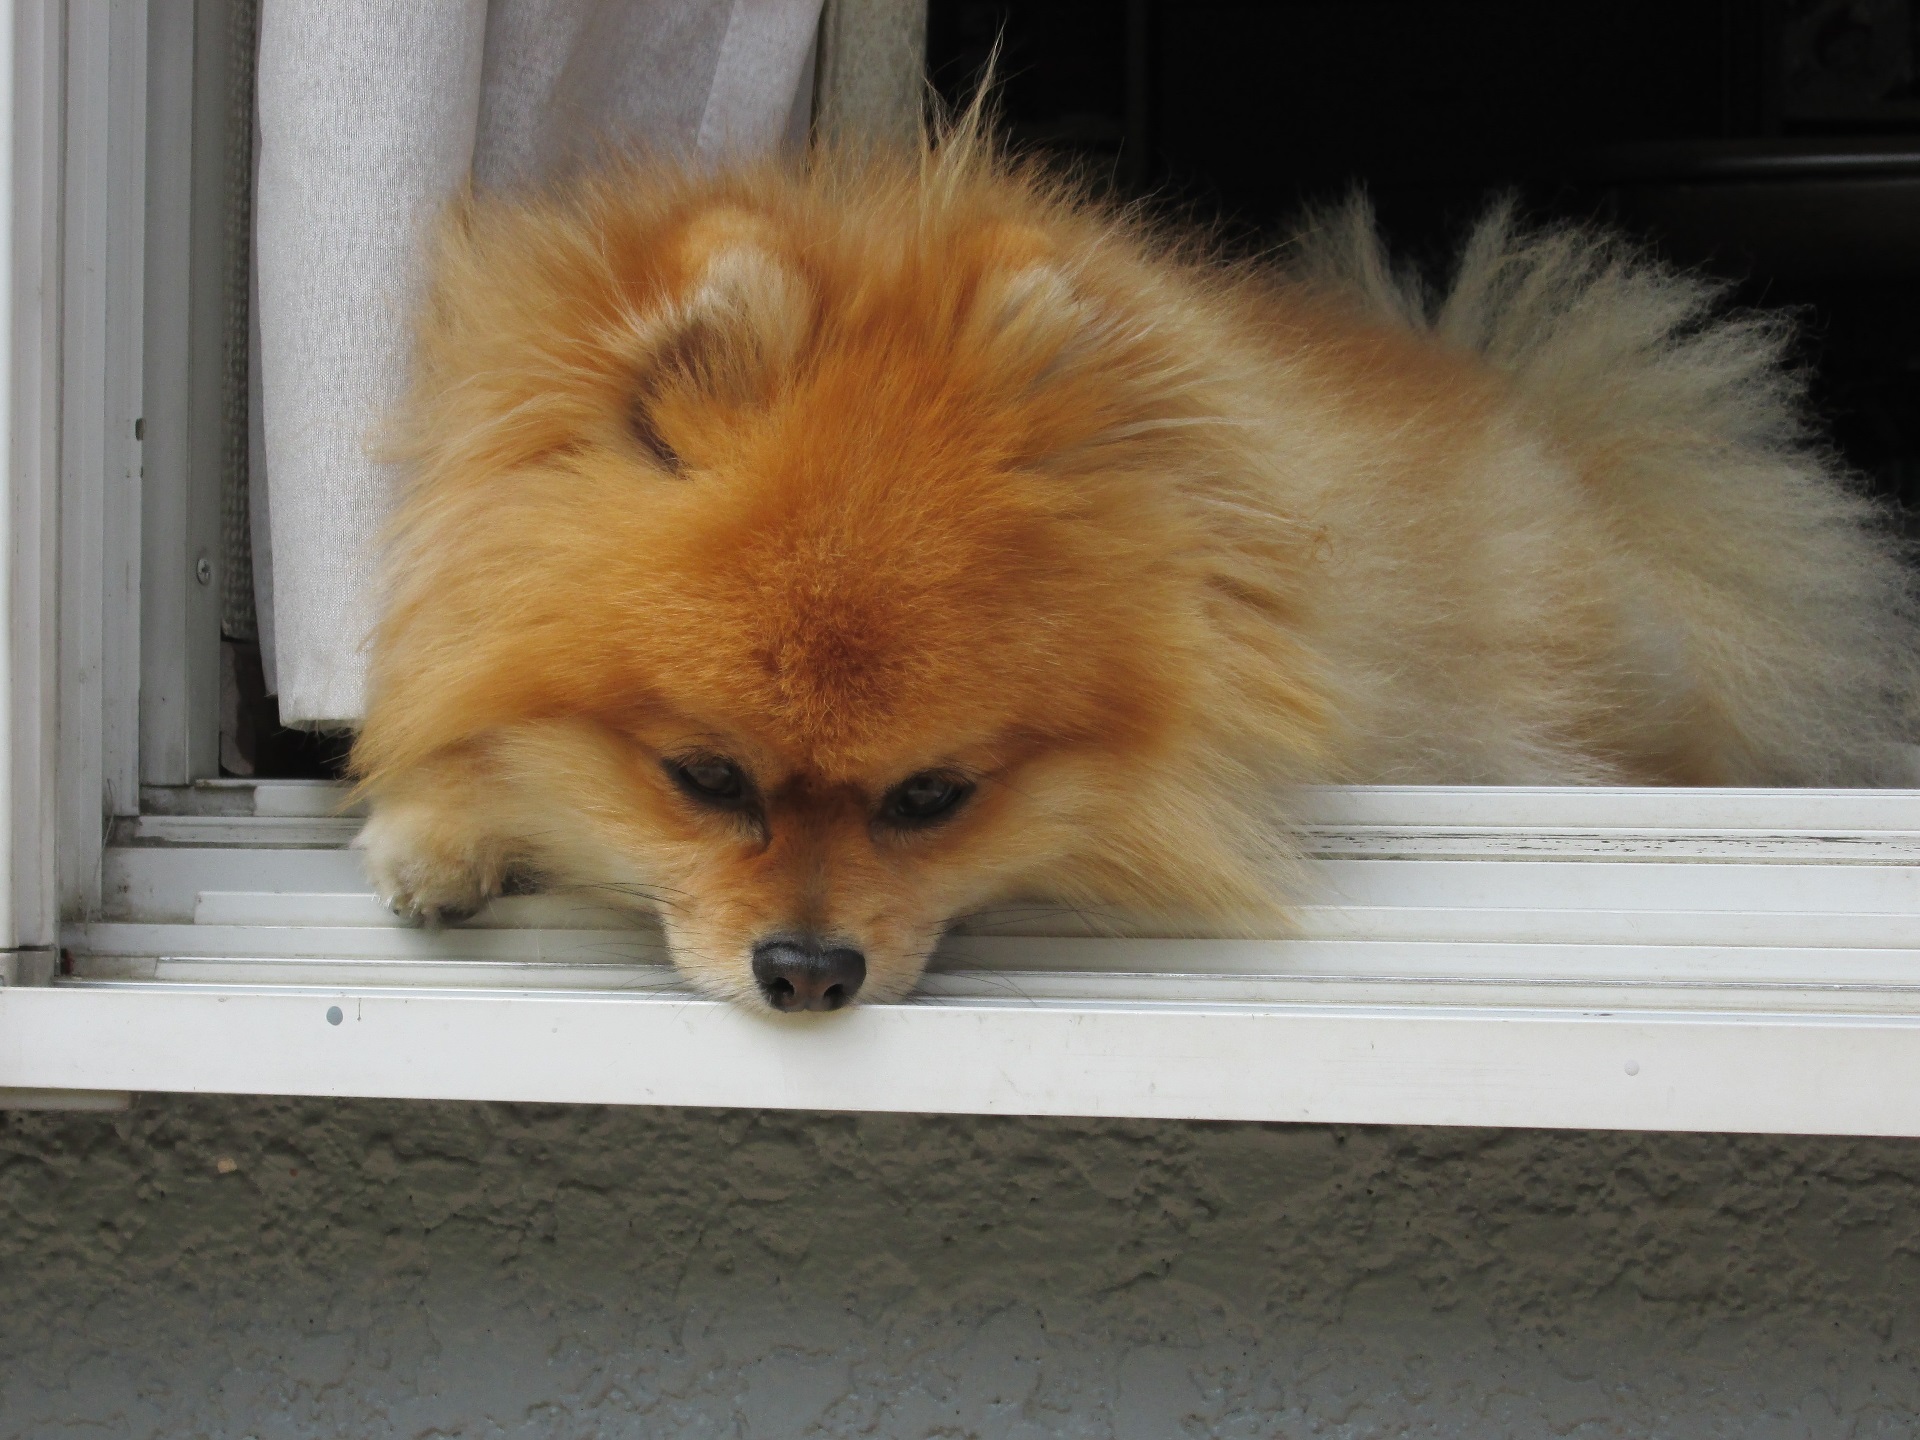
x,y
9,924
35,117
1838,827
103,175
1603,807
1379,1065
1789,979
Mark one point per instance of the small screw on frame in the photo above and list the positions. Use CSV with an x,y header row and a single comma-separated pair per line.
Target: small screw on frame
x,y
203,570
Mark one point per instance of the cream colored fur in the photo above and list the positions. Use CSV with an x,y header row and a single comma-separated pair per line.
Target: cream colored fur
x,y
1648,472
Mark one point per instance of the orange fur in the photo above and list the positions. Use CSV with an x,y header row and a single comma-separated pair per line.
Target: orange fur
x,y
887,466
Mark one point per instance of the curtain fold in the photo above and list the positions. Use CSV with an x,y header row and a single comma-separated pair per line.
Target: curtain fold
x,y
371,114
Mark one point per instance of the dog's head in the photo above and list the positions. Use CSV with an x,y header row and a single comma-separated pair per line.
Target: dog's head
x,y
815,573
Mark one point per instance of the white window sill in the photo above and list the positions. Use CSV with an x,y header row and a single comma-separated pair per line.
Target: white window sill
x,y
1712,960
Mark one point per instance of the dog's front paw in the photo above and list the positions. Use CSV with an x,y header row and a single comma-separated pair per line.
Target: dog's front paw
x,y
425,869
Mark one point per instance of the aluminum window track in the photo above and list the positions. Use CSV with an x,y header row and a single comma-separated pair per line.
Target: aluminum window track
x,y
1657,959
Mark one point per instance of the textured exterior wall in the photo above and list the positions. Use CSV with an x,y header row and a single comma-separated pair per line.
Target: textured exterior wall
x,y
375,1268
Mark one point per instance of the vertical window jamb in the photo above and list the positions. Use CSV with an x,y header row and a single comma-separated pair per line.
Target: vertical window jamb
x,y
103,195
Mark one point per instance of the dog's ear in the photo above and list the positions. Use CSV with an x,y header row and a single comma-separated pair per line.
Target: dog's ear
x,y
1029,318
737,324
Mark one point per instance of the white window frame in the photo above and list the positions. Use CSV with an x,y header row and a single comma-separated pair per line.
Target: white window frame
x,y
1715,960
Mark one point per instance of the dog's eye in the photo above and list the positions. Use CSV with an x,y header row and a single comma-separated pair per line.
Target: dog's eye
x,y
710,779
924,798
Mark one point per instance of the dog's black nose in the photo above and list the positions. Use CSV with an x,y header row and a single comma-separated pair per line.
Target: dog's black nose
x,y
802,974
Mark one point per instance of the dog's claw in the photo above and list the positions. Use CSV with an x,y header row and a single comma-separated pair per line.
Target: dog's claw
x,y
431,917
424,886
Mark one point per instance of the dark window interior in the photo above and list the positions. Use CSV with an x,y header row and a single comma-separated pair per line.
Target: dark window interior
x,y
1774,142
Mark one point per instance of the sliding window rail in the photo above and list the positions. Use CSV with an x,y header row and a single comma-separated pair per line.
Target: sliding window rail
x,y
1729,960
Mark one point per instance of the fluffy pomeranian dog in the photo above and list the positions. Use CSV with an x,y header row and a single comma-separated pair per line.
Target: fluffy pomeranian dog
x,y
818,553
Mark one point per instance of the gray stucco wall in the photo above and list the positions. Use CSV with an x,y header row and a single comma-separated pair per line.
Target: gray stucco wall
x,y
384,1268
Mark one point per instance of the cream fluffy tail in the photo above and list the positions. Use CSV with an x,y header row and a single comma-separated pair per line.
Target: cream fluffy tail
x,y
1791,598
